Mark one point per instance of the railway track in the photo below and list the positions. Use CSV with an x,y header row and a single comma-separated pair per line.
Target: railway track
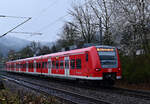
x,y
133,93
123,91
105,95
66,95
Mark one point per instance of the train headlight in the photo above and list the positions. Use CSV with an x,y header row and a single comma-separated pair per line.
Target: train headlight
x,y
97,70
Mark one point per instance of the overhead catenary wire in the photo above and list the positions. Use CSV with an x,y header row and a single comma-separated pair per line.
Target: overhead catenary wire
x,y
40,14
45,9
60,18
28,18
52,23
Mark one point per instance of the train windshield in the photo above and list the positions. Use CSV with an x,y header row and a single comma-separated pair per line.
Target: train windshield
x,y
108,57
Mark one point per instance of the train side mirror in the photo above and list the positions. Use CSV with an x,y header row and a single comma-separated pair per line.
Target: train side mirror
x,y
87,57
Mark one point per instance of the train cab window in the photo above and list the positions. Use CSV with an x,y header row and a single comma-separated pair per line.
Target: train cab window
x,y
72,63
61,64
57,64
53,64
78,63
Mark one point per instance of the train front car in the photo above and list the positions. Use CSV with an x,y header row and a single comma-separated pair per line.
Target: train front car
x,y
108,66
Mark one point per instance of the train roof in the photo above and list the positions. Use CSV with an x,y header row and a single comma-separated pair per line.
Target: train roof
x,y
62,53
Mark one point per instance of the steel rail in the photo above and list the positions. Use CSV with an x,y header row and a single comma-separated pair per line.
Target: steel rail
x,y
69,96
134,93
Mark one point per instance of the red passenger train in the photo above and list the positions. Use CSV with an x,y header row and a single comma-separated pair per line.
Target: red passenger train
x,y
95,63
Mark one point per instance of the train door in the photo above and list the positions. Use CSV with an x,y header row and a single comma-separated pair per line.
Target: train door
x,y
34,66
49,66
15,67
19,67
27,69
67,70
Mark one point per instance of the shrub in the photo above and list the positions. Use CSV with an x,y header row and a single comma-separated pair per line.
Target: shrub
x,y
136,70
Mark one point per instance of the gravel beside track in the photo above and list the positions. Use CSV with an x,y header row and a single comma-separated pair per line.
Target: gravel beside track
x,y
72,97
105,95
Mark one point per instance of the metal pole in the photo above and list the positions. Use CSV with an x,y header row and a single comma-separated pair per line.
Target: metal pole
x,y
32,33
15,27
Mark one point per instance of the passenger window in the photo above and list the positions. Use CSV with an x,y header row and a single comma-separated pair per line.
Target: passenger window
x,y
72,62
21,66
40,65
37,64
43,65
29,65
24,65
32,65
78,63
61,64
53,64
57,64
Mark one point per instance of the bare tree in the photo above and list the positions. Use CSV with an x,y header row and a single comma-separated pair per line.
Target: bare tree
x,y
68,36
103,10
35,47
84,22
135,14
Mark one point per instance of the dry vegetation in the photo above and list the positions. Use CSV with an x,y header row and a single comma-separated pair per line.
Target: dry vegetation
x,y
20,97
14,94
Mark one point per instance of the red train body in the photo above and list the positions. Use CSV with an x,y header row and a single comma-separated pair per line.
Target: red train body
x,y
92,63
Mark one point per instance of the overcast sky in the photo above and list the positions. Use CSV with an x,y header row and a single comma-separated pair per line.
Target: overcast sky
x,y
44,15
